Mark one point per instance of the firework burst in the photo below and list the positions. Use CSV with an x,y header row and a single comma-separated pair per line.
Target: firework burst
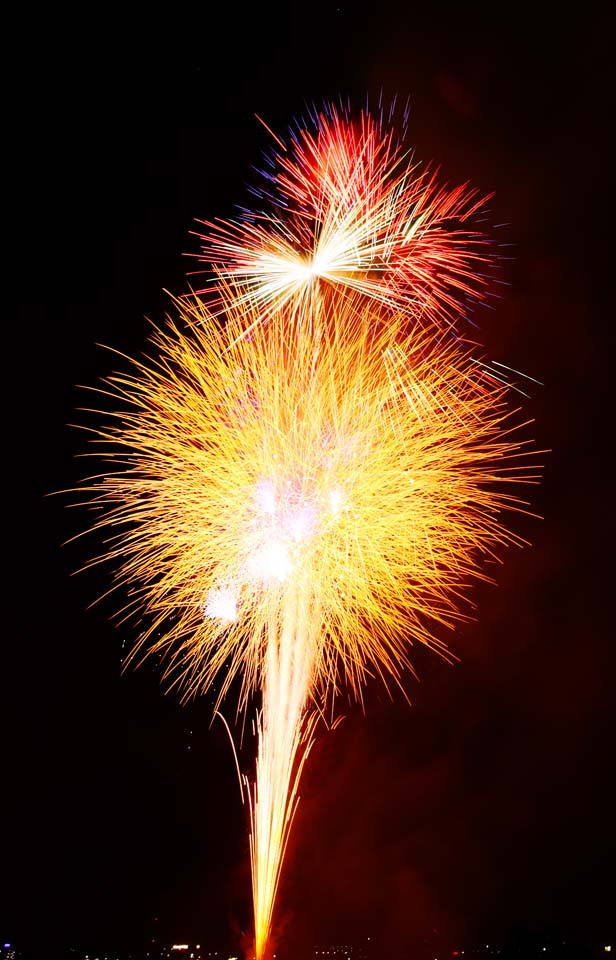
x,y
356,463
306,475
296,507
344,206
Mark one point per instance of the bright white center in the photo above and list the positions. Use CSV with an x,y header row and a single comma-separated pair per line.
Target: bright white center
x,y
221,604
335,501
272,562
266,497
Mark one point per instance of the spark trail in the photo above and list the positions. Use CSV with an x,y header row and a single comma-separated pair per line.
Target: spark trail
x,y
299,492
306,503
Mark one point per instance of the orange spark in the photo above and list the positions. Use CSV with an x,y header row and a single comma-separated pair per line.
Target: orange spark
x,y
297,507
294,503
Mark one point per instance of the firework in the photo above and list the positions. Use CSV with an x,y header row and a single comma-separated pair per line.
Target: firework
x,y
344,206
294,504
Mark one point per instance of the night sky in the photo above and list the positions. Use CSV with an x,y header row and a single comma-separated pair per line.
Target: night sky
x,y
486,806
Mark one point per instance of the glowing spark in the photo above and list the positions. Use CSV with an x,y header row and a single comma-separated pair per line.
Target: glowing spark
x,y
221,604
272,562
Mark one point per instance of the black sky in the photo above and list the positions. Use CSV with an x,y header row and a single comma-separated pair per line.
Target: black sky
x,y
485,806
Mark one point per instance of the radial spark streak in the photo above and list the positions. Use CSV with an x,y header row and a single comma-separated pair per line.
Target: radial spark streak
x,y
306,475
295,508
342,204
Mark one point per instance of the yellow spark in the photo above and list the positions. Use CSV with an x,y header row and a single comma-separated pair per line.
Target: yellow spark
x,y
352,458
296,506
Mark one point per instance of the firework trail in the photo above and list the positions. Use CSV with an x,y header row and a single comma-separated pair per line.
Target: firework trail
x,y
297,495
